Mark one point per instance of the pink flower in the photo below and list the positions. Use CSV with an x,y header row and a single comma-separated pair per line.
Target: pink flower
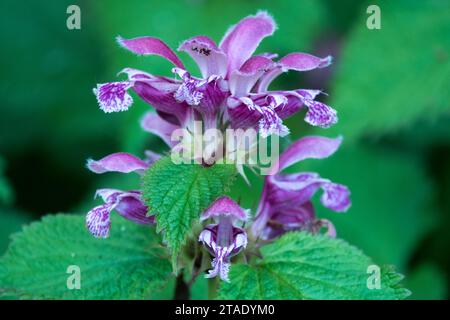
x,y
232,88
223,239
128,204
285,204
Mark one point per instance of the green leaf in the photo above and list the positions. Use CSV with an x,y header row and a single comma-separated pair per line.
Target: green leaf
x,y
302,266
178,193
388,79
128,265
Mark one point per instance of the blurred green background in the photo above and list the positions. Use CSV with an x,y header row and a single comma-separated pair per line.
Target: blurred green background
x,y
390,87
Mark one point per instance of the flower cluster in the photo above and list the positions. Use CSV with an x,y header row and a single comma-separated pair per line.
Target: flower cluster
x,y
231,92
232,89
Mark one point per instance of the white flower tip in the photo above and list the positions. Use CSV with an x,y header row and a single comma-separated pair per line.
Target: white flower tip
x,y
328,60
120,40
94,166
266,15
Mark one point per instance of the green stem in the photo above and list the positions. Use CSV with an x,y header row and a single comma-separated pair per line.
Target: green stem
x,y
213,287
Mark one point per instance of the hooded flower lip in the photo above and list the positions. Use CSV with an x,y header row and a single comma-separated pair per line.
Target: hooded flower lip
x,y
231,77
286,200
128,204
242,39
150,46
118,162
297,61
210,59
223,239
243,80
225,207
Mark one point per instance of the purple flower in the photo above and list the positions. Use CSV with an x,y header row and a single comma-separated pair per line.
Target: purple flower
x,y
232,88
128,204
223,239
285,203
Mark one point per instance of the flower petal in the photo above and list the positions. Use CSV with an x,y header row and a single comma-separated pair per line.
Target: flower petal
x,y
222,254
312,147
113,96
301,218
295,101
319,114
299,61
98,221
150,46
271,123
219,267
153,123
130,206
225,206
206,95
210,59
296,61
117,162
242,112
151,157
241,40
159,93
242,80
336,197
293,190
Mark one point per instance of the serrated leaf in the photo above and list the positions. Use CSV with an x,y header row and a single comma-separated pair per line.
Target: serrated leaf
x,y
178,193
302,266
127,265
388,79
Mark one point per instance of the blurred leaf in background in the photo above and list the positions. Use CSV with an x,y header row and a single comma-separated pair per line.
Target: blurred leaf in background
x,y
427,282
49,121
11,220
387,79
